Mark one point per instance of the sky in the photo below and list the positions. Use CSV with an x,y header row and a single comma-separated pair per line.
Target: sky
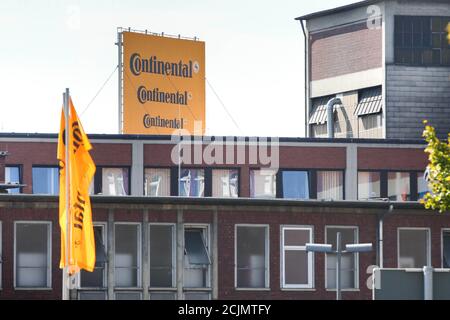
x,y
254,60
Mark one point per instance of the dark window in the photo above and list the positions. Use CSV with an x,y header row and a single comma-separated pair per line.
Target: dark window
x,y
421,41
446,249
96,278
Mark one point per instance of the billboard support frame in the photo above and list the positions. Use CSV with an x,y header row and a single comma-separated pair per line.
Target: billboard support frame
x,y
120,79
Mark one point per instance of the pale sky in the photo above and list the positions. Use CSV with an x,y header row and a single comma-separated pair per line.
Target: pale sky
x,y
254,60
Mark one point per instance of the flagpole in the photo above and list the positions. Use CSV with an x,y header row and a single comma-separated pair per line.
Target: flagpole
x,y
66,277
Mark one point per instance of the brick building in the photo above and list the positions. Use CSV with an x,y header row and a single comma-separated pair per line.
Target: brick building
x,y
220,230
388,61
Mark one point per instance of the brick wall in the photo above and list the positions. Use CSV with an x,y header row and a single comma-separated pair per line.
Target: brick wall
x,y
345,50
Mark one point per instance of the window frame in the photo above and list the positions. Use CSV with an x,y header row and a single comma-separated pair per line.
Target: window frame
x,y
104,226
355,255
266,260
443,230
170,179
139,255
428,244
49,255
98,179
174,257
20,166
238,169
276,174
48,167
205,181
381,183
280,179
329,170
311,256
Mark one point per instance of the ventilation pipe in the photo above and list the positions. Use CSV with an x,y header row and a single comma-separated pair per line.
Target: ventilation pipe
x,y
330,121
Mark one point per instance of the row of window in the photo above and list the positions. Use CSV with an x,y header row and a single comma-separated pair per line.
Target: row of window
x,y
32,256
288,184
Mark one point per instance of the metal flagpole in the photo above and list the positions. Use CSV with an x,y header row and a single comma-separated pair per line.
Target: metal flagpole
x,y
66,277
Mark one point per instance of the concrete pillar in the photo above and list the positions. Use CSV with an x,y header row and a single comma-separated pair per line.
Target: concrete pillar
x,y
180,254
111,249
145,255
137,168
351,173
215,257
428,283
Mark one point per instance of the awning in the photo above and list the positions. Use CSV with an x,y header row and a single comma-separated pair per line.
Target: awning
x,y
319,113
195,247
370,102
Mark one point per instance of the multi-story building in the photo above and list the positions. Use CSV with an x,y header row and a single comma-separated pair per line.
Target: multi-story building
x,y
388,61
231,229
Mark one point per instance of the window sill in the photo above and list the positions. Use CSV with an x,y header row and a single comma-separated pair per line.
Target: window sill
x,y
168,289
298,289
197,289
32,289
252,289
344,290
127,289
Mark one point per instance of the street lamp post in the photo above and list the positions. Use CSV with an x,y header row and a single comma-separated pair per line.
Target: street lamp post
x,y
349,248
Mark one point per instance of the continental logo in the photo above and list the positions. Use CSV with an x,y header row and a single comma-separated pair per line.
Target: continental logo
x,y
153,65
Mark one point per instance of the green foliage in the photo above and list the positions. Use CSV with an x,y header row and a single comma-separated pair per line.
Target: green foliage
x,y
438,171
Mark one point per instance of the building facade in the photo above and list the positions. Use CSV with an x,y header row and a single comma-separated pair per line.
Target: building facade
x,y
388,61
231,229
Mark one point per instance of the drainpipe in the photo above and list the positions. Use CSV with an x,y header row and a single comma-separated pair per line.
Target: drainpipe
x,y
330,120
380,236
306,79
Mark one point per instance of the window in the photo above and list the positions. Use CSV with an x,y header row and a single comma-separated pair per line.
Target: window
x,y
398,186
12,175
371,121
349,261
330,185
446,248
96,279
413,248
192,183
128,296
252,252
422,186
115,181
162,296
421,41
91,295
225,183
196,261
162,256
368,185
296,262
45,180
127,255
197,296
263,183
157,182
32,255
295,184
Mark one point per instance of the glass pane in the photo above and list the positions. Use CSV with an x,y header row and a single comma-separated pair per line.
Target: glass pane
x,y
296,267
413,248
263,184
398,186
87,295
45,180
347,271
192,183
436,57
161,253
251,257
295,185
347,236
195,247
422,186
95,278
31,254
12,175
368,185
162,296
92,279
330,185
297,237
446,249
157,182
436,24
115,181
126,255
225,183
128,296
196,296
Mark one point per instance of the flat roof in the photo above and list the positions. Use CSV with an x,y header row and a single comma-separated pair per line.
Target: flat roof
x,y
168,138
337,9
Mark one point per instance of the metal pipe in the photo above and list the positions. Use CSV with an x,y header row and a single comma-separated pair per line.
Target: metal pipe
x,y
330,119
120,71
66,276
306,78
338,266
428,282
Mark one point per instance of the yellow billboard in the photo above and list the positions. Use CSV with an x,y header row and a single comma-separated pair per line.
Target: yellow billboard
x,y
163,84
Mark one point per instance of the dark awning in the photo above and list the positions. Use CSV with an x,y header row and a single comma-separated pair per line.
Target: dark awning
x,y
195,247
370,102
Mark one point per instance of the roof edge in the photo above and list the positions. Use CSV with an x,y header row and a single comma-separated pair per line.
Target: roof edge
x,y
337,9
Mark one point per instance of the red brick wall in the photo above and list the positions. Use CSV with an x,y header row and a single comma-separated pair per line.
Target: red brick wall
x,y
391,159
345,50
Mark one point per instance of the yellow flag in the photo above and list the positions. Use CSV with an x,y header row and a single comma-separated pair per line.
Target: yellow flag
x,y
448,32
81,171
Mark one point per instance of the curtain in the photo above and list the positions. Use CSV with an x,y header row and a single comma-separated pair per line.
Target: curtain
x,y
330,185
157,182
263,183
225,183
115,181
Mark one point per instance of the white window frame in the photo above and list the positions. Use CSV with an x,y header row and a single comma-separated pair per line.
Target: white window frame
x,y
356,256
442,244
283,248
266,262
428,244
174,255
139,255
49,256
206,232
104,225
